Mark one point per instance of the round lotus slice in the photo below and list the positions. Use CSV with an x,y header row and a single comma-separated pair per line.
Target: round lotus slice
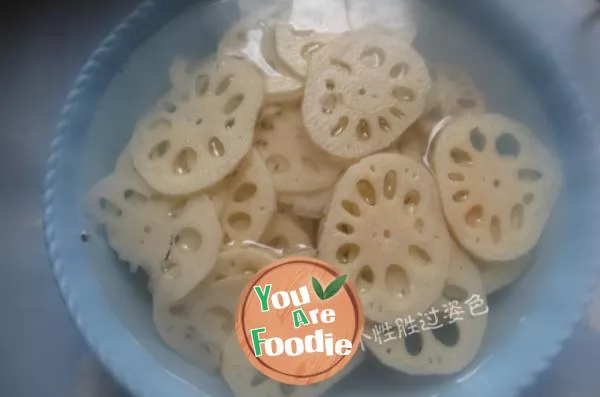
x,y
248,39
190,143
453,94
239,261
250,201
286,235
296,165
362,92
175,241
307,205
385,229
197,325
498,185
497,276
246,381
450,332
296,47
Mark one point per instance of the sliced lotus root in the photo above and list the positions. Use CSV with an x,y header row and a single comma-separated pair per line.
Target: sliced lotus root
x,y
385,229
453,94
451,347
308,205
296,47
175,241
285,235
395,15
296,164
498,185
246,381
247,39
198,325
497,276
186,145
363,91
237,261
250,201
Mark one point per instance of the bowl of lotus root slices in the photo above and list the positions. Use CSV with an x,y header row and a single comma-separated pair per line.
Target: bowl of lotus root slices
x,y
435,158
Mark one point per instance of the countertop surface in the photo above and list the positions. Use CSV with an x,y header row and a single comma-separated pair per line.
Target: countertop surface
x,y
41,350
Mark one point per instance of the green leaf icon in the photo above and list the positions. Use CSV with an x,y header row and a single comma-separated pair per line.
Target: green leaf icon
x,y
334,287
318,289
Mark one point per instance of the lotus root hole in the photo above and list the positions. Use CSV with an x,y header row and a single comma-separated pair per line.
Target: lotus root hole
x,y
147,229
215,147
310,164
461,196
328,103
223,85
474,216
362,91
364,279
177,310
455,293
279,242
185,161
258,379
189,332
419,225
230,123
413,344
110,208
135,198
419,254
466,103
496,183
363,130
239,221
529,175
330,84
244,192
399,114
387,233
343,66
188,240
160,126
366,191
277,164
403,94
176,208
495,229
347,253
478,140
507,145
396,281
199,121
309,49
169,107
233,103
340,126
351,208
461,157
528,198
399,70
219,317
345,228
384,124
159,150
171,270
516,216
373,57
456,177
201,85
448,335
411,202
390,183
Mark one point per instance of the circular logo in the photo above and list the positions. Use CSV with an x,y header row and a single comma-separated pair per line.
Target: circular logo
x,y
299,321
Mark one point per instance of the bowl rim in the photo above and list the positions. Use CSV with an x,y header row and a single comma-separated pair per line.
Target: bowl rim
x,y
128,361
